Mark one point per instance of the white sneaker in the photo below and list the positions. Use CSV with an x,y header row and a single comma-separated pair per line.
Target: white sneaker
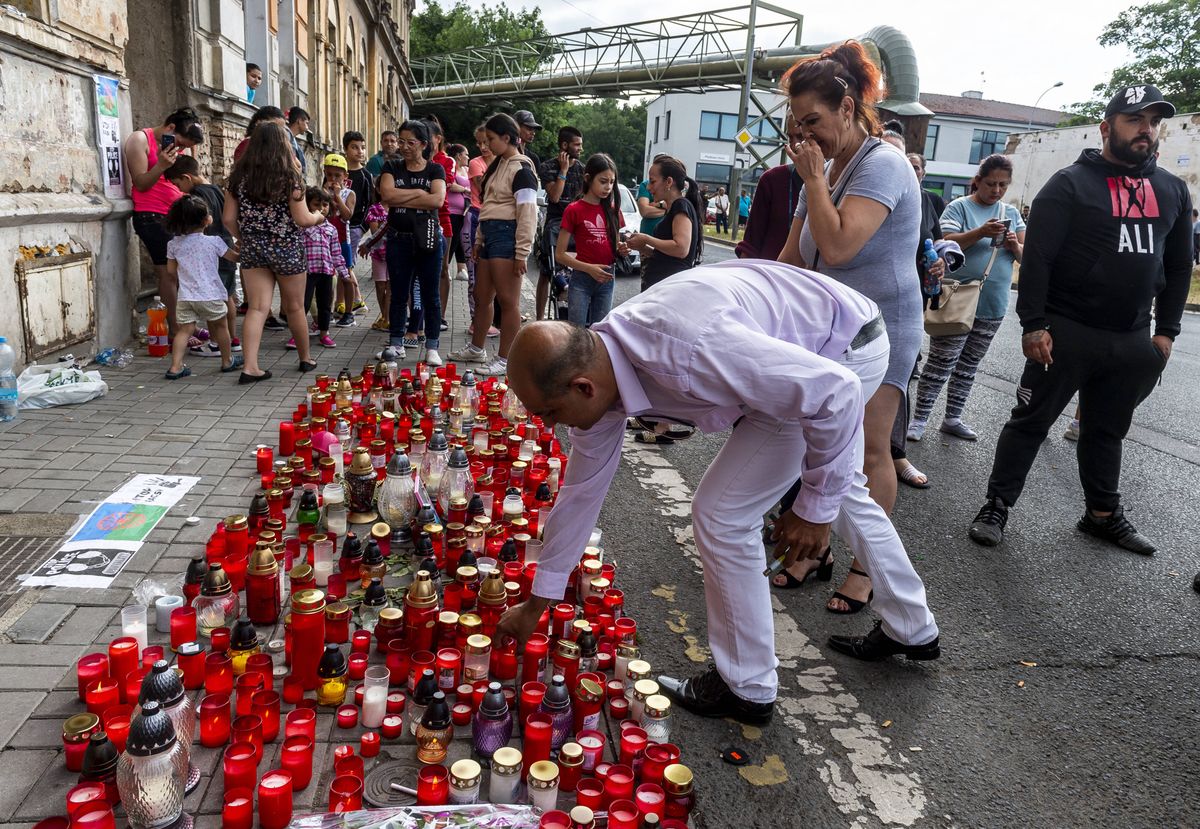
x,y
399,349
469,354
432,358
462,275
916,430
496,368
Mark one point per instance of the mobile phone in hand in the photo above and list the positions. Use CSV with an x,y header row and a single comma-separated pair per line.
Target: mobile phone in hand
x,y
166,141
998,241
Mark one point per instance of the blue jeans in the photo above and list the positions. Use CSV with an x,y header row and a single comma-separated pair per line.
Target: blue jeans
x,y
588,301
407,266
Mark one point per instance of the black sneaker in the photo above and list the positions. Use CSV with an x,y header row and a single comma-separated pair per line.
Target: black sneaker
x,y
707,695
988,527
273,324
1116,529
346,320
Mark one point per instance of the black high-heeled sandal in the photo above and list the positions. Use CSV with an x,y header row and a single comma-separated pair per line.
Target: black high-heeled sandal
x,y
855,604
822,572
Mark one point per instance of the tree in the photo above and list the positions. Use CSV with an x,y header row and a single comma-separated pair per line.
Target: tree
x,y
618,129
1164,39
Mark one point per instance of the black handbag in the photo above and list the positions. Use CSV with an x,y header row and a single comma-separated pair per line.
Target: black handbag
x,y
422,225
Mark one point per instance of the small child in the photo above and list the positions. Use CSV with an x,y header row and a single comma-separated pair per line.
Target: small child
x,y
341,207
376,218
185,174
324,260
192,259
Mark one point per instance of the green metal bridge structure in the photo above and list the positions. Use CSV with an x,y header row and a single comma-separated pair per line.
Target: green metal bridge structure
x,y
746,47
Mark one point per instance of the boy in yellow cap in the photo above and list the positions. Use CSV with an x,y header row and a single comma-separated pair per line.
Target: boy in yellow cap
x,y
341,208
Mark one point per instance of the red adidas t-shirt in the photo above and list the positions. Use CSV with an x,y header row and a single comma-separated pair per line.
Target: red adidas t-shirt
x,y
585,222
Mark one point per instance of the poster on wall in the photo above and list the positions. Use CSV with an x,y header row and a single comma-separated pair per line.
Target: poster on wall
x,y
108,132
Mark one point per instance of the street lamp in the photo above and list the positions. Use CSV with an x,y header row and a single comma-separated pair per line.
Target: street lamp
x,y
1033,109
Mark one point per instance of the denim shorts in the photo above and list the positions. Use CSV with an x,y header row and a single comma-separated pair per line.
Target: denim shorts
x,y
499,239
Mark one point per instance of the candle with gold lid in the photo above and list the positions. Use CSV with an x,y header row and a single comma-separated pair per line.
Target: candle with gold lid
x,y
465,776
543,785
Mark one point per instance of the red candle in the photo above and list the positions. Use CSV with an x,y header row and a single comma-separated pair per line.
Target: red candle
x,y
633,740
94,815
626,631
133,684
296,757
433,786
345,794
618,708
266,706
151,654
618,785
360,642
393,726
651,799
287,438
293,690
261,664
351,765
301,722
248,729
247,686
657,757
238,811
240,767
592,742
84,793
347,716
395,703
101,694
265,458
116,724
357,665
589,792
538,731
275,800
218,673
531,697
623,814
219,640
122,658
183,626
88,669
215,717
460,714
534,664
368,744
556,819
449,669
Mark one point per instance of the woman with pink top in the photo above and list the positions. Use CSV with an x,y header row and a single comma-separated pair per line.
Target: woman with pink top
x,y
457,197
148,154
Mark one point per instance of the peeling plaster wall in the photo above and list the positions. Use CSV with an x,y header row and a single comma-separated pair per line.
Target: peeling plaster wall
x,y
1036,156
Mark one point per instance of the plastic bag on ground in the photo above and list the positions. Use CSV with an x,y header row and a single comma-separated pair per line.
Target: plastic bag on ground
x,y
41,387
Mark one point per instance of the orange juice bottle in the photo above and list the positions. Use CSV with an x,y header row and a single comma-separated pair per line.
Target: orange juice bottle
x,y
157,335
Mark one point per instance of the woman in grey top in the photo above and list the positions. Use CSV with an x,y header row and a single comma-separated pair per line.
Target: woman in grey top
x,y
857,220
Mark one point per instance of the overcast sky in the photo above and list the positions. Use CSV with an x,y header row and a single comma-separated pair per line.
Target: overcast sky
x,y
1021,47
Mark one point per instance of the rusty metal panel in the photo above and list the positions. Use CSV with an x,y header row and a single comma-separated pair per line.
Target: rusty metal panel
x,y
57,302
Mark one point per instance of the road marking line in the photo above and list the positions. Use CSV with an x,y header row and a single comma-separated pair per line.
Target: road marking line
x,y
873,779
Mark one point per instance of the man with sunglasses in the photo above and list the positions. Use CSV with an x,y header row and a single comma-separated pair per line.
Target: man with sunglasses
x,y
796,409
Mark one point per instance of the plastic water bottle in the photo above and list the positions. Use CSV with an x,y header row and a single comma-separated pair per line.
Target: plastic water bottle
x,y
8,382
931,258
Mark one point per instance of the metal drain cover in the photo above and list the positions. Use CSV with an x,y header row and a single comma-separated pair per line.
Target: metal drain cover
x,y
377,785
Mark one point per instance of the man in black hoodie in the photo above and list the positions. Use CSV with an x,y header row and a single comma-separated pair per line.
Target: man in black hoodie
x,y
1108,236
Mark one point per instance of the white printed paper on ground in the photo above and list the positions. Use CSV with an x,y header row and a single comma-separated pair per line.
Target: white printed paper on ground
x,y
100,547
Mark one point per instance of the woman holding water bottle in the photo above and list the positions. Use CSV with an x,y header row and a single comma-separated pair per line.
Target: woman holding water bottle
x,y
992,235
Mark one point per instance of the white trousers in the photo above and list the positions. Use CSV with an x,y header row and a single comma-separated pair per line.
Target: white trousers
x,y
743,482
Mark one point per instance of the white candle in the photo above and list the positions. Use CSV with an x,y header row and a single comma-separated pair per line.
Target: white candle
x,y
374,706
321,571
133,623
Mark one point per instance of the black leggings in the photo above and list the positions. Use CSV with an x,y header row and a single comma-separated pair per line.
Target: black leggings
x,y
320,284
455,240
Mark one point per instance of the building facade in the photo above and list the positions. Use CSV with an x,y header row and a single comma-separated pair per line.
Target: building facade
x,y
78,77
699,129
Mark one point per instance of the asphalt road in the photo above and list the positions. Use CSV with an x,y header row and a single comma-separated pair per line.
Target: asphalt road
x,y
1066,691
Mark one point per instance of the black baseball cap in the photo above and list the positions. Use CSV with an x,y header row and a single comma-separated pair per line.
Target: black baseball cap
x,y
525,118
1136,98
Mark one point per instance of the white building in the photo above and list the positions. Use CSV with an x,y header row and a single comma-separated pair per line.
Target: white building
x,y
699,129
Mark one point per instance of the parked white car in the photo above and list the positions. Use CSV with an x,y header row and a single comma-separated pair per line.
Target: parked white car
x,y
633,221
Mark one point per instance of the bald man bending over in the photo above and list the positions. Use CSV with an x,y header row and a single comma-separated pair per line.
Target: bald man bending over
x,y
786,357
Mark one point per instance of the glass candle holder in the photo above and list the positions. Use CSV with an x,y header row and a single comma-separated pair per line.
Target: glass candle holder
x,y
266,706
589,792
84,793
368,744
351,764
218,673
592,742
183,626
557,819
101,695
219,639
618,785
116,721
633,740
248,729
238,809
239,767
505,783
643,689
532,694
215,720
537,734
543,785
345,794
77,731
393,727
678,785
123,653
246,686
357,665
623,814
433,786
465,777
296,757
133,625
618,708
95,815
347,716
293,690
301,722
88,669
650,799
275,800
133,683
570,766
375,696
657,756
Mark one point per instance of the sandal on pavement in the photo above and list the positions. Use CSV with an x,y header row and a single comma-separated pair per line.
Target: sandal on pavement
x,y
823,572
245,379
909,474
175,375
234,364
855,604
308,365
